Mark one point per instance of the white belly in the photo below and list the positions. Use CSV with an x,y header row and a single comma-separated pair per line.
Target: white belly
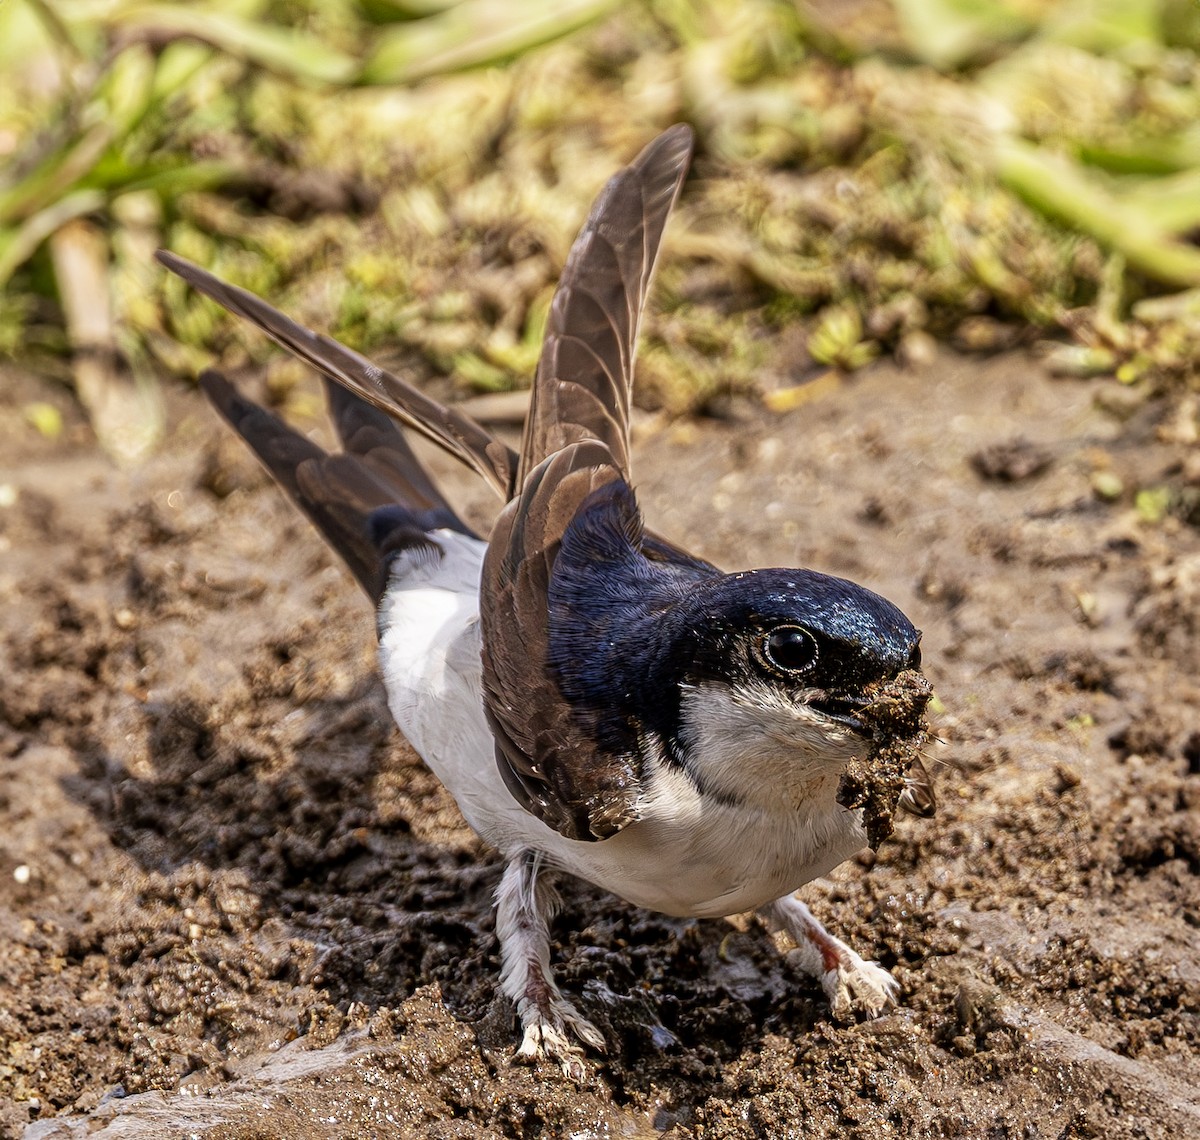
x,y
685,856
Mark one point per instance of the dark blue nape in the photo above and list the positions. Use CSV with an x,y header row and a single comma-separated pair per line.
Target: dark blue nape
x,y
615,625
626,633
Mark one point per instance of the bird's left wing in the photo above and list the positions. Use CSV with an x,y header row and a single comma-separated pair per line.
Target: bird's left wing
x,y
576,442
446,426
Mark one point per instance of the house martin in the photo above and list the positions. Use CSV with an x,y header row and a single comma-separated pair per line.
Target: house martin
x,y
600,702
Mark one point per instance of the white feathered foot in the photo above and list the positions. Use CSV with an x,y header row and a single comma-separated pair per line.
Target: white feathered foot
x,y
526,902
847,979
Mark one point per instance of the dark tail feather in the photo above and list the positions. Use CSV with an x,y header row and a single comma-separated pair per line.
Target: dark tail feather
x,y
376,439
446,426
341,495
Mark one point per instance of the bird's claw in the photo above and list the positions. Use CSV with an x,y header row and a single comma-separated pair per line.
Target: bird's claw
x,y
848,980
548,1035
857,983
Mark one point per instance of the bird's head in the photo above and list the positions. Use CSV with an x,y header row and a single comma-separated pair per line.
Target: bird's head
x,y
762,685
786,676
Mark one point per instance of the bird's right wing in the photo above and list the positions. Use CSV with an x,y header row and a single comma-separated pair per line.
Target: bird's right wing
x,y
446,426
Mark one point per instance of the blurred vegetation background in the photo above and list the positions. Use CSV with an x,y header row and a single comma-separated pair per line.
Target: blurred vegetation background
x,y
872,176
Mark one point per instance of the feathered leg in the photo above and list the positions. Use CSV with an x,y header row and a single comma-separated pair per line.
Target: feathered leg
x,y
526,902
847,979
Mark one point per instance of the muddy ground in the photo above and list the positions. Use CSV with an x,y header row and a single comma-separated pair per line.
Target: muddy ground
x,y
233,904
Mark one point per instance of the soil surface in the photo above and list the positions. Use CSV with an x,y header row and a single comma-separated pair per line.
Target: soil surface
x,y
234,904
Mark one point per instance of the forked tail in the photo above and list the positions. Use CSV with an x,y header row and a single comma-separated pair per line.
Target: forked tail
x,y
370,501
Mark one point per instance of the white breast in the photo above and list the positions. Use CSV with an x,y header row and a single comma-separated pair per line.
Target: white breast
x,y
429,654
694,855
687,855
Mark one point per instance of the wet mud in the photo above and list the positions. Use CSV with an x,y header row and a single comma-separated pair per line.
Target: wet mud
x,y
234,904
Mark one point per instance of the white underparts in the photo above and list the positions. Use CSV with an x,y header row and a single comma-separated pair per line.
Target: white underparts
x,y
773,825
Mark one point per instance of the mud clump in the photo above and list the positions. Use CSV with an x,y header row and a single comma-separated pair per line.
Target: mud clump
x,y
895,717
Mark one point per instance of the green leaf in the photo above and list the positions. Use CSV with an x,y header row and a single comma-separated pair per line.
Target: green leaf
x,y
54,175
44,418
1164,155
18,244
948,33
1152,503
1062,190
126,91
476,33
279,49
1173,202
1104,26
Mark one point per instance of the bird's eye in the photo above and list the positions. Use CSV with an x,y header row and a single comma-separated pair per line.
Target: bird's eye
x,y
790,648
914,660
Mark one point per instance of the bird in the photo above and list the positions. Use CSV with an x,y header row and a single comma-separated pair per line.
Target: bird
x,y
600,702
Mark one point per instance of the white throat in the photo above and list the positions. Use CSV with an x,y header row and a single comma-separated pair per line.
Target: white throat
x,y
751,744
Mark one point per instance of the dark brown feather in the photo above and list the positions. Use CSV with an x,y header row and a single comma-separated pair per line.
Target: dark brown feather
x,y
338,493
457,432
549,763
379,443
576,440
585,374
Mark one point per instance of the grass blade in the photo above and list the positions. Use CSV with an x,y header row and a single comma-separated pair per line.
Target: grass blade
x,y
19,244
1173,202
475,34
279,49
948,33
1061,190
126,417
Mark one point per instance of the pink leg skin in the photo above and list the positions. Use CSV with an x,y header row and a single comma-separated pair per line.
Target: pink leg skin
x,y
525,905
848,980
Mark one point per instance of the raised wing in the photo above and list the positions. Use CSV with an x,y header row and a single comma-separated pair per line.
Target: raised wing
x,y
576,442
547,758
457,432
585,374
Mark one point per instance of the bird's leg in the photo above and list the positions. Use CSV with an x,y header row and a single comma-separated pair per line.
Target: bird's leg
x,y
526,902
846,978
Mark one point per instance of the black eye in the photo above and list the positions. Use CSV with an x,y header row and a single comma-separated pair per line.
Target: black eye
x,y
914,661
790,648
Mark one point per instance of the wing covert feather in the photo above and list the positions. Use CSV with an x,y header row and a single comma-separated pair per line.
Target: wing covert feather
x,y
548,761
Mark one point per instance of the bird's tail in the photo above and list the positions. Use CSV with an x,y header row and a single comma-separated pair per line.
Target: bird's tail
x,y
370,501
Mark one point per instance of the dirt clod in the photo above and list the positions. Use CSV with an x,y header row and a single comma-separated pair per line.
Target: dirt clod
x,y
1011,461
896,719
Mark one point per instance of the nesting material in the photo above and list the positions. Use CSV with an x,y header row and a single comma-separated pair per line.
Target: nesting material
x,y
895,718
